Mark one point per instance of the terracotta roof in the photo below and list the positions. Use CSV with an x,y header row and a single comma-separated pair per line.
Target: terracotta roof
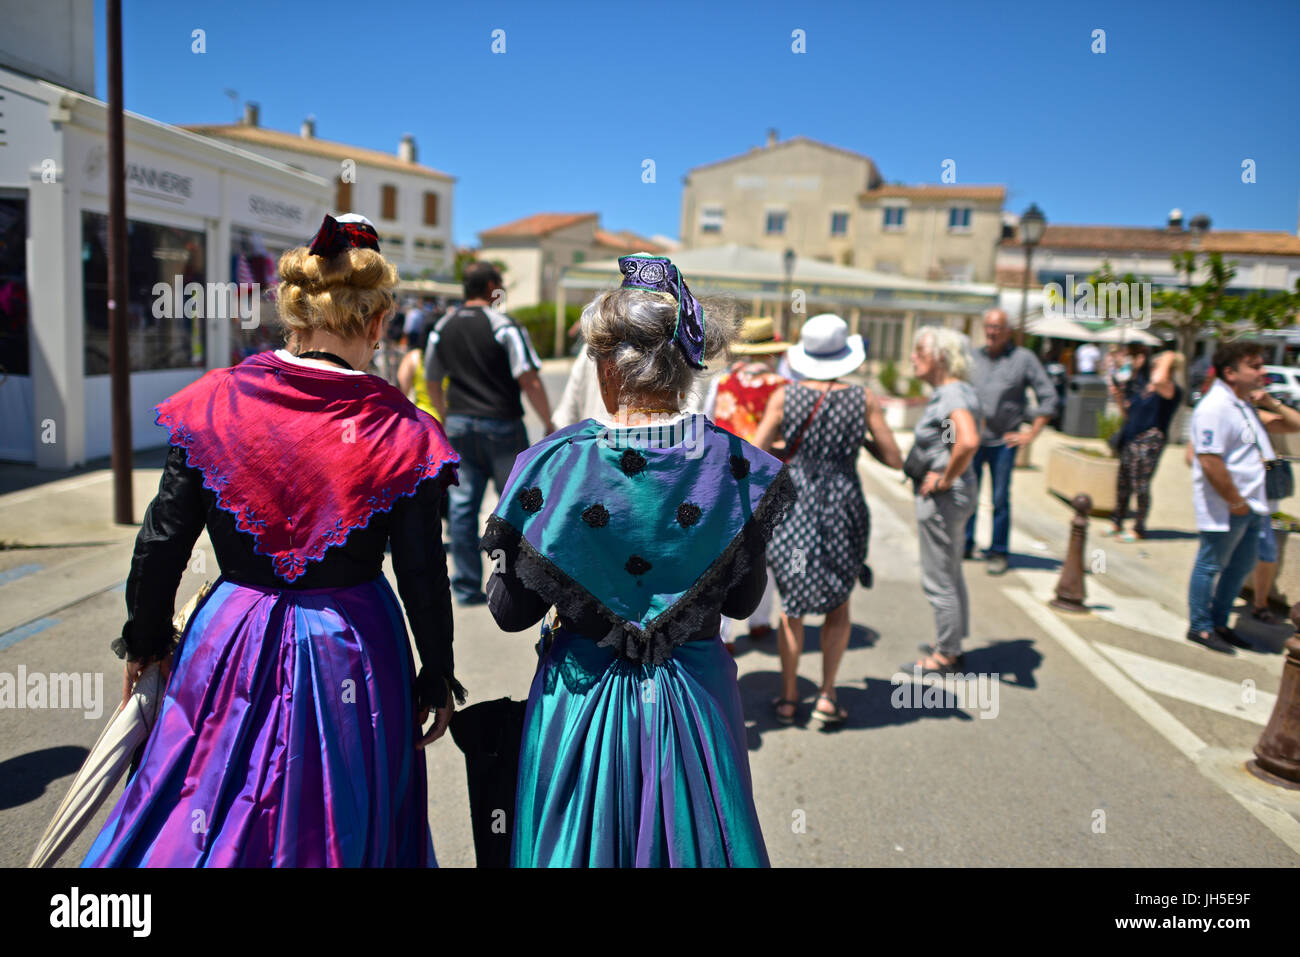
x,y
1147,239
1251,241
794,140
252,137
626,239
539,224
937,192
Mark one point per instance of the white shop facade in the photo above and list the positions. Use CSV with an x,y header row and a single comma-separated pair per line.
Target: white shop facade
x,y
201,216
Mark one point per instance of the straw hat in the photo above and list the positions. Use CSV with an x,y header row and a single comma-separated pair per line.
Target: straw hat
x,y
758,338
825,349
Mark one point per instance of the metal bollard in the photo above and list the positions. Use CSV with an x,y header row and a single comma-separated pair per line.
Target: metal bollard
x,y
1070,592
1277,755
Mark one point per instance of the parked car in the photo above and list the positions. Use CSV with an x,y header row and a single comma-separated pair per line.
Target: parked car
x,y
1284,383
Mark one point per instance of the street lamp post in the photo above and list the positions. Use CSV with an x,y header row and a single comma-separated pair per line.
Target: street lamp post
x,y
1032,224
788,260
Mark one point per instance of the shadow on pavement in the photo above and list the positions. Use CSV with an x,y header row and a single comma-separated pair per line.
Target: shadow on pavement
x,y
1012,656
1017,560
1268,639
1168,534
860,636
869,707
24,778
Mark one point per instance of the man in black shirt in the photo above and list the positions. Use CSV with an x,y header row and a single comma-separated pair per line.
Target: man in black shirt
x,y
489,361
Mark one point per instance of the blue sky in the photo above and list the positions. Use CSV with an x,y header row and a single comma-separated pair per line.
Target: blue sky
x,y
586,91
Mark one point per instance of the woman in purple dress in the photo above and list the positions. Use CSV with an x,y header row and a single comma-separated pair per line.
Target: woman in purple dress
x,y
290,731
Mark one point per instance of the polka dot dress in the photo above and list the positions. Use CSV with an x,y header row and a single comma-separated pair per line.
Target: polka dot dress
x,y
816,553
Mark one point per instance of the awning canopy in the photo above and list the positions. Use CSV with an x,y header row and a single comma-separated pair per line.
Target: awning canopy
x,y
1059,327
430,287
749,273
1126,334
1056,327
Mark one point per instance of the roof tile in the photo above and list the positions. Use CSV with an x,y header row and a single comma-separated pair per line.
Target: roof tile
x,y
938,192
1148,239
538,224
251,137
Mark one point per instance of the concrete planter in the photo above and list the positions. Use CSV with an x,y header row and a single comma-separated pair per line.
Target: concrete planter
x,y
901,415
1071,472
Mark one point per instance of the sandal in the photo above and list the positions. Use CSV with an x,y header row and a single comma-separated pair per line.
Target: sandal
x,y
829,718
1264,616
778,704
928,649
939,668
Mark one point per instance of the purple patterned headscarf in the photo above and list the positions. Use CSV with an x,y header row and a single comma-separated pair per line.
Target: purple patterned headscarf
x,y
657,273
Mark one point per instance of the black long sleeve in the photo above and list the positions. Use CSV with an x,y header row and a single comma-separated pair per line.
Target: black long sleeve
x,y
420,564
513,605
172,524
744,597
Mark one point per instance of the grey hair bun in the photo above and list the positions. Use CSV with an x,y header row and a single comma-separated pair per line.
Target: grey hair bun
x,y
634,327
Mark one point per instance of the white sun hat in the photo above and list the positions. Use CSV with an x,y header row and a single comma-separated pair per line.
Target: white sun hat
x,y
825,349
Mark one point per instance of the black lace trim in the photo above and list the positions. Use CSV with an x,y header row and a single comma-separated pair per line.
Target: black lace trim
x,y
686,618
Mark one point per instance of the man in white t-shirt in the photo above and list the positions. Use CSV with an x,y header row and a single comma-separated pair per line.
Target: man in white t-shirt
x,y
1232,447
1086,358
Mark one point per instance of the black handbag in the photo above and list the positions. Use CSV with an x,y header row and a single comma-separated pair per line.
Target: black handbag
x,y
489,734
916,465
1279,481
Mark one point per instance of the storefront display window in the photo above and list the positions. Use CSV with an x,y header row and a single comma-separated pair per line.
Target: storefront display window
x,y
255,260
160,336
14,354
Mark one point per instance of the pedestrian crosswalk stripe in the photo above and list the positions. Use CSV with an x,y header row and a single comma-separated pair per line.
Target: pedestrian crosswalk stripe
x,y
21,571
1194,687
1143,615
15,635
1283,824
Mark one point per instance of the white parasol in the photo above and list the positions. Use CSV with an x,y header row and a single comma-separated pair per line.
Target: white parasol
x,y
109,758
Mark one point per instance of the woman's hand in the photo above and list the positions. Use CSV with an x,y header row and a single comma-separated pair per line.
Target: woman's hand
x,y
134,669
932,483
441,719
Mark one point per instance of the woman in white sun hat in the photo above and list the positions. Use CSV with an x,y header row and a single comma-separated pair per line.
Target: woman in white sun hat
x,y
818,551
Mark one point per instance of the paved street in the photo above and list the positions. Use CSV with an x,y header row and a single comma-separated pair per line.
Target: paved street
x,y
1105,739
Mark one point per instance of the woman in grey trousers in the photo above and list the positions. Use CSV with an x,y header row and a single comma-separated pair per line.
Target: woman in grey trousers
x,y
947,438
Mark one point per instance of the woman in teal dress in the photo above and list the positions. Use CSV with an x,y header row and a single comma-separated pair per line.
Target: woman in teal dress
x,y
641,531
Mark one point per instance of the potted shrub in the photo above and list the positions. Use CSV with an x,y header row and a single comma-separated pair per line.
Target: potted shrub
x,y
902,410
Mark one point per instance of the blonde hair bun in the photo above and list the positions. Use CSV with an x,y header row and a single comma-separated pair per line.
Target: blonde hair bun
x,y
336,295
